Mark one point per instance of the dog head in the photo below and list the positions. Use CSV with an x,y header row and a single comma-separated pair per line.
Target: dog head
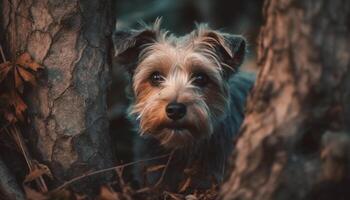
x,y
180,84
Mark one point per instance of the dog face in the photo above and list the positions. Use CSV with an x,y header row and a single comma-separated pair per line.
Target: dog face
x,y
179,85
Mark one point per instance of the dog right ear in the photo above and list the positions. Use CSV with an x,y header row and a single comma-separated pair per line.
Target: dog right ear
x,y
129,44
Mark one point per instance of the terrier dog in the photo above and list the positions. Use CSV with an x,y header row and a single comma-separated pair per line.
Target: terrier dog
x,y
187,97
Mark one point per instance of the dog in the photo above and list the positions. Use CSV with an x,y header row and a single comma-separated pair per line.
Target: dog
x,y
187,100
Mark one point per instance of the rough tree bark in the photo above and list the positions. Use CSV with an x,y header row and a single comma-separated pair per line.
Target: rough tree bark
x,y
71,39
294,141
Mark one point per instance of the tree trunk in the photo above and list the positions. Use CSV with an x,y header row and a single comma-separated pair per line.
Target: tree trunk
x,y
295,140
68,111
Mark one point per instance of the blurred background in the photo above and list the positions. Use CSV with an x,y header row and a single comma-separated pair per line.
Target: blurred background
x,y
179,17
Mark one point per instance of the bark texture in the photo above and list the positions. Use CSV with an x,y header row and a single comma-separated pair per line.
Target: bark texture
x,y
71,39
294,141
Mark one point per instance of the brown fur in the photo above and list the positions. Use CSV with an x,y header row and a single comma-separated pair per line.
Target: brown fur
x,y
213,115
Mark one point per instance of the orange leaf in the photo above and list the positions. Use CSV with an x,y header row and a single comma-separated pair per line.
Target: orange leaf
x,y
18,79
4,65
38,171
33,194
26,61
4,70
10,117
155,168
185,185
174,196
145,189
5,108
63,195
108,193
192,197
80,197
18,104
27,76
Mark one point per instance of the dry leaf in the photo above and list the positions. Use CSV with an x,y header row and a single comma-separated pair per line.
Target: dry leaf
x,y
191,197
33,194
184,185
12,102
36,164
62,194
145,189
26,61
16,75
38,171
27,76
18,80
155,168
5,109
9,116
4,70
80,197
22,70
18,104
23,63
108,193
34,174
174,196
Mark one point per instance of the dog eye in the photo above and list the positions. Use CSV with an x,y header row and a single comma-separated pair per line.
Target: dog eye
x,y
156,78
200,79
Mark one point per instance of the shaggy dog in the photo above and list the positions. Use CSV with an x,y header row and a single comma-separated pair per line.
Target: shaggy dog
x,y
188,100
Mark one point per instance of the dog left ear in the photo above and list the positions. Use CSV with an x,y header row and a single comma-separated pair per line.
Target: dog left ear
x,y
231,49
235,48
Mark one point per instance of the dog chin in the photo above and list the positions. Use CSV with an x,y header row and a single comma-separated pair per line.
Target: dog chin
x,y
174,137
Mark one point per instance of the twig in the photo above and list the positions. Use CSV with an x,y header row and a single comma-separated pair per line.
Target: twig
x,y
17,137
73,180
165,169
2,54
20,145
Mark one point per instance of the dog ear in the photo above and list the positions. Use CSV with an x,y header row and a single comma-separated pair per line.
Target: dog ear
x,y
235,49
230,49
129,44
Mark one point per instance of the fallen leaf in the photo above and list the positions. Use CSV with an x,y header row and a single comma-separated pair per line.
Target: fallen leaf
x,y
26,61
191,197
22,70
80,197
16,75
18,80
33,194
9,116
27,76
155,168
174,196
38,171
34,174
62,195
108,193
145,189
5,109
18,104
4,70
184,185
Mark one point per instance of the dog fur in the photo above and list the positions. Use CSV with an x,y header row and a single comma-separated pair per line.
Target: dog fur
x,y
199,70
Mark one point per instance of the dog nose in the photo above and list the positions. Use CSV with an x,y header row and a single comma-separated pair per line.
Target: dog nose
x,y
175,110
